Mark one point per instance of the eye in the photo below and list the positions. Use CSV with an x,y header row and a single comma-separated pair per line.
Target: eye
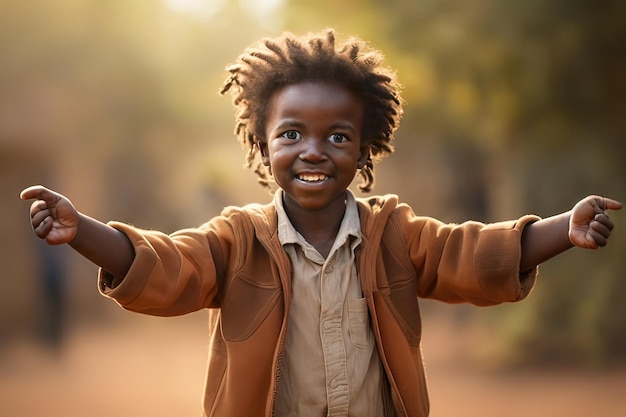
x,y
338,138
291,135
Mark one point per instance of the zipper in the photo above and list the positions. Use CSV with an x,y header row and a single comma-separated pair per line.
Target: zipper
x,y
284,272
281,345
398,405
260,220
367,262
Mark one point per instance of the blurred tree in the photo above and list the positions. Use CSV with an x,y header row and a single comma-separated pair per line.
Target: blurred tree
x,y
512,107
527,98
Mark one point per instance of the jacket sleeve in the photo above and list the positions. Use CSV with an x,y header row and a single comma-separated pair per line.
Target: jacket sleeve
x,y
469,262
171,274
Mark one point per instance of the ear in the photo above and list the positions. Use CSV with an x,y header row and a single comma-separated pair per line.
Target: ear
x,y
364,155
262,145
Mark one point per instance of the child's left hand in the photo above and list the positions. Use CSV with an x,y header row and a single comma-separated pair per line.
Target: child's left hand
x,y
589,224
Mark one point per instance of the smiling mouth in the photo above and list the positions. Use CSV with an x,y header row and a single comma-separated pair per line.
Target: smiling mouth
x,y
312,178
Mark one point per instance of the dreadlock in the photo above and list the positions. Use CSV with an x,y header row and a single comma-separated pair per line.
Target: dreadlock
x,y
274,63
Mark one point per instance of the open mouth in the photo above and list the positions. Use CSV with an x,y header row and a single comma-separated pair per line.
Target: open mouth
x,y
312,178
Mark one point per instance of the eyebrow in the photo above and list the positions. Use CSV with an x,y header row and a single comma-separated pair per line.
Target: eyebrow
x,y
343,125
288,123
294,123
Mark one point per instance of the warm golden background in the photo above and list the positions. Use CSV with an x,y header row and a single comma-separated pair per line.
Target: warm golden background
x,y
513,107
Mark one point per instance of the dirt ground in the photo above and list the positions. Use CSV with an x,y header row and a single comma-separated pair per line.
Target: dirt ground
x,y
144,366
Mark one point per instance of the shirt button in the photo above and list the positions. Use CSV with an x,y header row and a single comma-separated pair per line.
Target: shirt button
x,y
329,269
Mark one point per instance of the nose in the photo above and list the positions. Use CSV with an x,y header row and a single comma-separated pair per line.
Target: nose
x,y
313,150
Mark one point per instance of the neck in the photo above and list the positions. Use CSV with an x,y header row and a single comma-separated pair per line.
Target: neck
x,y
318,227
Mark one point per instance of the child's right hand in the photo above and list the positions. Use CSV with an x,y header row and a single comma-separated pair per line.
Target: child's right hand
x,y
53,216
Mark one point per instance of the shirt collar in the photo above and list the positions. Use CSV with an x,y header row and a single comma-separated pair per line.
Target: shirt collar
x,y
350,225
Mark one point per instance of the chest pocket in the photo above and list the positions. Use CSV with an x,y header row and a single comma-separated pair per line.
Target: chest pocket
x,y
360,332
251,294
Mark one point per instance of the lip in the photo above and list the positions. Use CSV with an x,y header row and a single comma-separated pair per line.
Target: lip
x,y
312,177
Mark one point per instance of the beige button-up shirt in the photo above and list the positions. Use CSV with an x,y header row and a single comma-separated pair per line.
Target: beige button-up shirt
x,y
331,365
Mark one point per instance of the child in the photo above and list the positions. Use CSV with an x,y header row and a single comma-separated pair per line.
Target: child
x,y
314,296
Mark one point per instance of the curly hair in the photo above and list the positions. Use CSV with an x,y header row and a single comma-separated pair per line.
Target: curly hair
x,y
274,63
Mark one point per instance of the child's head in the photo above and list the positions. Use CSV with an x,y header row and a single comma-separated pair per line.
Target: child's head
x,y
273,64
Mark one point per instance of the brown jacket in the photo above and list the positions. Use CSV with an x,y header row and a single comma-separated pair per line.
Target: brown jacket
x,y
236,266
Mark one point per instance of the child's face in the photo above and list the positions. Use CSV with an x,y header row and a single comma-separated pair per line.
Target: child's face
x,y
314,143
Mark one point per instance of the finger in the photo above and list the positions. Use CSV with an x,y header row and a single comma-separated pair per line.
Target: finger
x,y
39,192
600,228
608,203
592,240
596,239
43,228
604,220
37,206
39,217
31,192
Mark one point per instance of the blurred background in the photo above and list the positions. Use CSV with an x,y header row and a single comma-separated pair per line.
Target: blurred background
x,y
511,108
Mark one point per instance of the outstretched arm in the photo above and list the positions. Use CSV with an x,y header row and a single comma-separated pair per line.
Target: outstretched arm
x,y
54,219
587,225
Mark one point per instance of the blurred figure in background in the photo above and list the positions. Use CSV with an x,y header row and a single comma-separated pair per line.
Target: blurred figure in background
x,y
52,275
315,293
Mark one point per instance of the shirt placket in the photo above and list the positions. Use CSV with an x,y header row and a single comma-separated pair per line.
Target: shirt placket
x,y
333,290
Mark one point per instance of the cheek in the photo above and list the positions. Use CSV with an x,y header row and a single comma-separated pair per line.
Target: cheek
x,y
278,151
278,157
350,161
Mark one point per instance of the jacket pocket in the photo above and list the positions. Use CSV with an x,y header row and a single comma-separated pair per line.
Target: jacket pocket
x,y
403,303
246,306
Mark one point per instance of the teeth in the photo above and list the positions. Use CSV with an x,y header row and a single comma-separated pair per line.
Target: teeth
x,y
312,177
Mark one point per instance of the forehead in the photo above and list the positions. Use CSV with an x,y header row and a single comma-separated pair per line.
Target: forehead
x,y
315,99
